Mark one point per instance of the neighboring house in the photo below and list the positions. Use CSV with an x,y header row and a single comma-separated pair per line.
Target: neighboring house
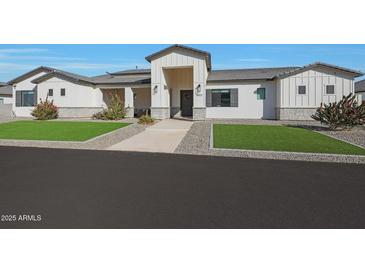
x,y
6,100
181,82
360,90
6,93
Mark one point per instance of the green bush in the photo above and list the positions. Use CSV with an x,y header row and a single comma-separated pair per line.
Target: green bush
x,y
146,120
115,110
344,114
45,110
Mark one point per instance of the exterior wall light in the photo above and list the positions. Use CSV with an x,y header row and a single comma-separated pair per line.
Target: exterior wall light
x,y
155,89
198,89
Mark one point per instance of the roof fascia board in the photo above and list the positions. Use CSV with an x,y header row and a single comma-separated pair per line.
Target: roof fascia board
x,y
29,74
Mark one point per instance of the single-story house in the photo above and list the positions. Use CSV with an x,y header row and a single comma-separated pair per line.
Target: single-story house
x,y
360,90
181,82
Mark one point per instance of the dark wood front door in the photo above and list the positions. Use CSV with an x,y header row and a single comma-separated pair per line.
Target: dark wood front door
x,y
186,102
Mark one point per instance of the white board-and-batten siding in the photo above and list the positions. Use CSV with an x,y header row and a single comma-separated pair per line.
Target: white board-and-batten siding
x,y
172,60
315,81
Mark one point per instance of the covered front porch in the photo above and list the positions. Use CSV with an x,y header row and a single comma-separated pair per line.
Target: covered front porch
x,y
137,100
179,88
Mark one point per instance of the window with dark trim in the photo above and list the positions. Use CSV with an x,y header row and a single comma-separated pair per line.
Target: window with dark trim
x,y
302,90
63,92
330,89
50,92
25,98
261,93
222,97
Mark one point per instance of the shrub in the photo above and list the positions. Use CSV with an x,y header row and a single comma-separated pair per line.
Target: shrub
x,y
344,114
146,120
45,110
115,110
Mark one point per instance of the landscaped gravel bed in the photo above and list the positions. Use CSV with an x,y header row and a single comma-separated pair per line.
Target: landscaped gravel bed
x,y
355,136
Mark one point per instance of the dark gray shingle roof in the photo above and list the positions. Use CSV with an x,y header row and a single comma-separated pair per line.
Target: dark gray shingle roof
x,y
63,74
6,90
360,86
30,74
122,79
132,71
354,73
247,74
2,84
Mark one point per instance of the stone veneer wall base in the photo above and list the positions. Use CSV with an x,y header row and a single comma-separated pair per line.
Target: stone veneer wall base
x,y
75,112
303,114
199,113
129,112
160,113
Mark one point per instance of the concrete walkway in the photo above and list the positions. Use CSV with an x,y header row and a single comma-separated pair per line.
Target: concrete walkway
x,y
164,136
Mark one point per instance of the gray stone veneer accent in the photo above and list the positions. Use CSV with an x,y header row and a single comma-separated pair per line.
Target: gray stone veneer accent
x,y
160,113
199,113
129,112
294,113
74,112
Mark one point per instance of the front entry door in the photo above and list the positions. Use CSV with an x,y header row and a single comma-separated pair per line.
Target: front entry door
x,y
186,102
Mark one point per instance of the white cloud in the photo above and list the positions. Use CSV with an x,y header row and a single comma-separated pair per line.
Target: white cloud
x,y
24,50
39,58
6,67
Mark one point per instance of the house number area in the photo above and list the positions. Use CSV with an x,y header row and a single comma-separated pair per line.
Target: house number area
x,y
20,218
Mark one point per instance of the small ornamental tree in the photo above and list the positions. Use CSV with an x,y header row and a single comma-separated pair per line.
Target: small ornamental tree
x,y
45,110
115,110
344,114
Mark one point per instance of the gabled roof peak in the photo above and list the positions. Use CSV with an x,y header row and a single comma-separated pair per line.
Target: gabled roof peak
x,y
184,48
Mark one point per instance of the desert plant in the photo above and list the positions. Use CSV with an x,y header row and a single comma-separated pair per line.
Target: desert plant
x,y
115,110
344,114
45,110
146,120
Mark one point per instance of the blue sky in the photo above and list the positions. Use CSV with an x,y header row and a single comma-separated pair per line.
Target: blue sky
x,y
93,60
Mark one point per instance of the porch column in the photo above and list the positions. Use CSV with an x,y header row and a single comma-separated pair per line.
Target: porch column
x,y
129,102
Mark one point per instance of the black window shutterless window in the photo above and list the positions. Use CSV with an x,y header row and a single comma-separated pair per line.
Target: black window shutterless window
x,y
330,89
50,92
25,98
222,98
302,90
63,92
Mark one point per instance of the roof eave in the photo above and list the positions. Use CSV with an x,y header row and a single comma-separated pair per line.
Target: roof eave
x,y
29,74
355,73
239,80
55,74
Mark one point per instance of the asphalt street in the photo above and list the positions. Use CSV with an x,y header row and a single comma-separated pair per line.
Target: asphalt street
x,y
57,188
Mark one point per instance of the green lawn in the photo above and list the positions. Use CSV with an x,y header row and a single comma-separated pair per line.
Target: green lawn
x,y
279,138
56,130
